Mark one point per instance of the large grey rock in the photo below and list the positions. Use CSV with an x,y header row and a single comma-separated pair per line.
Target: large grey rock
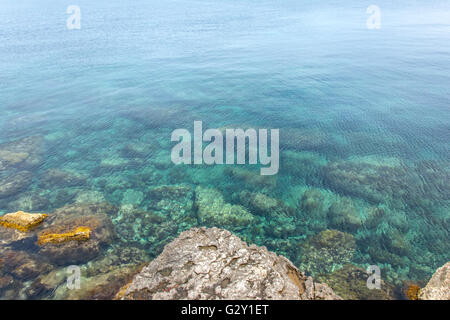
x,y
211,263
438,288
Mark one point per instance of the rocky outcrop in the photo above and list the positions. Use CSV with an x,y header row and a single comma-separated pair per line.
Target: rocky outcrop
x,y
61,178
438,288
211,263
22,221
326,252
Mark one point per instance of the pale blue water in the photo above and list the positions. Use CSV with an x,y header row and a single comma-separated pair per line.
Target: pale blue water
x,y
364,115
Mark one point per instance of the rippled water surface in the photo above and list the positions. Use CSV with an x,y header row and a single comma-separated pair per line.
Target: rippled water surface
x,y
87,115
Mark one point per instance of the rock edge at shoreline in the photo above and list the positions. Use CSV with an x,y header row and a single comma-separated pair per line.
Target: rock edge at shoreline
x,y
212,263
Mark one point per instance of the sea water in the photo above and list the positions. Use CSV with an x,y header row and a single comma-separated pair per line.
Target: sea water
x,y
363,114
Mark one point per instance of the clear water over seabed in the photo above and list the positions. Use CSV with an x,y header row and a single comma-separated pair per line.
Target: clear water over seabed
x,y
364,119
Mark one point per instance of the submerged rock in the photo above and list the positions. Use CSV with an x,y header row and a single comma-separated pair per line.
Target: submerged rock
x,y
305,166
438,288
10,159
103,286
30,201
22,265
176,201
373,181
6,282
342,215
148,230
215,264
313,205
9,237
113,163
89,196
252,178
214,211
25,152
131,196
326,252
273,216
14,183
170,210
139,149
264,205
100,278
76,233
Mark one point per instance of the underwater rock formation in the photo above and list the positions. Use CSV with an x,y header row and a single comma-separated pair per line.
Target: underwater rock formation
x,y
273,216
252,178
326,252
77,234
18,231
11,159
22,153
6,283
114,163
9,236
262,204
64,224
435,175
350,283
14,183
89,196
100,278
215,264
103,277
374,182
170,210
140,149
62,178
304,166
144,228
312,203
214,211
177,201
438,288
313,208
29,201
22,221
104,286
22,265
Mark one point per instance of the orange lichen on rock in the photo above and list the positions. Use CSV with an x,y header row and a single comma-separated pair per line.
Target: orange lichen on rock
x,y
412,292
122,291
77,234
22,221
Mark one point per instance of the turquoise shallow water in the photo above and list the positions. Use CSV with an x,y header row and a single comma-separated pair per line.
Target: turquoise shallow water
x,y
363,114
